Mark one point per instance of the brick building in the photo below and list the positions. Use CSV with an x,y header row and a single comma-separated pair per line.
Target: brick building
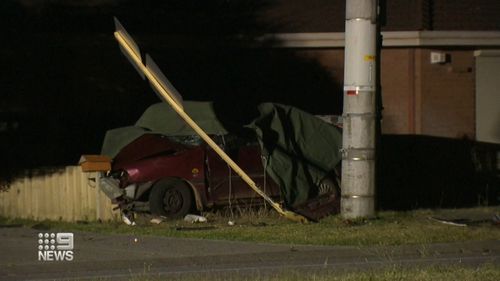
x,y
440,60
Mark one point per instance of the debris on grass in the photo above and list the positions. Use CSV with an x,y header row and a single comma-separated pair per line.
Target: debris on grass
x,y
495,220
156,220
454,222
128,220
194,218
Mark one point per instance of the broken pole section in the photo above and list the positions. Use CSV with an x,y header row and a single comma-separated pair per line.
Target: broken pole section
x,y
359,116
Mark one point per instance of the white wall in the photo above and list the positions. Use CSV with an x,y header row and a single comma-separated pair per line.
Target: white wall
x,y
488,96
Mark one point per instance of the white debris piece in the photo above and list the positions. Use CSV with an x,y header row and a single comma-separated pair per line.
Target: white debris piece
x,y
194,218
127,220
156,220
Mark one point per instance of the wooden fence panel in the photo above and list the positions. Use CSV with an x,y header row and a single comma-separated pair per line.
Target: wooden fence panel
x,y
65,194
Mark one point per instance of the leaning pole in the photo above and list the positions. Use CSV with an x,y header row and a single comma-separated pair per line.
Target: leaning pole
x,y
359,113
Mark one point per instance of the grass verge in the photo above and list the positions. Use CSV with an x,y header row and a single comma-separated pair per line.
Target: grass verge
x,y
389,228
486,272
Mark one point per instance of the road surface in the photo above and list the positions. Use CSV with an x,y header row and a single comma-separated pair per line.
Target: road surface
x,y
118,257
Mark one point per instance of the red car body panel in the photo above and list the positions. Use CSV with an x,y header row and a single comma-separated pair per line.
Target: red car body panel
x,y
153,157
186,164
143,147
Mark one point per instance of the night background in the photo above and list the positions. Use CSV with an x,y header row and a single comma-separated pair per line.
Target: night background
x,y
64,83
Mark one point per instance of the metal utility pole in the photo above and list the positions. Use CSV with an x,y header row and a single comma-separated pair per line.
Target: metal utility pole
x,y
359,116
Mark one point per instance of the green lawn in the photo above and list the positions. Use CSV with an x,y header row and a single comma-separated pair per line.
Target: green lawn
x,y
389,228
436,273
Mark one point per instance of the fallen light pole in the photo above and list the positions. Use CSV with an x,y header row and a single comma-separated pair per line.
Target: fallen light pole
x,y
359,113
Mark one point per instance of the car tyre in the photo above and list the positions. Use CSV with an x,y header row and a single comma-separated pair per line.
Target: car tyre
x,y
171,198
329,185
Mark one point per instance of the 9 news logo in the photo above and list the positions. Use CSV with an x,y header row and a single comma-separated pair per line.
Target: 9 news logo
x,y
55,246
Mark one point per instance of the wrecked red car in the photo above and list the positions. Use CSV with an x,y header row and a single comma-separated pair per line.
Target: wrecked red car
x,y
172,177
160,166
154,171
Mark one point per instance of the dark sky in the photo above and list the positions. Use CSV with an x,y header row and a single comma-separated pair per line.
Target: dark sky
x,y
65,82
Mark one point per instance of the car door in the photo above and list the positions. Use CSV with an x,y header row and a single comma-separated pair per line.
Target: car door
x,y
225,183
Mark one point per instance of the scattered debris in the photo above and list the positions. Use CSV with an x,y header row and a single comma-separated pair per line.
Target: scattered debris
x,y
454,222
320,207
194,218
466,222
127,220
156,220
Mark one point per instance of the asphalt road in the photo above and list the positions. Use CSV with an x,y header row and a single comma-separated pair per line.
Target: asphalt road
x,y
118,257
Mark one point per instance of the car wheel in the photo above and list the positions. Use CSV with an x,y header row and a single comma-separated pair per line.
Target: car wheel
x,y
329,185
170,198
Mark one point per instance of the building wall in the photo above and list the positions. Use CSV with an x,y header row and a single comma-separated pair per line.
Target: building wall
x,y
398,91
465,14
398,87
447,94
418,97
396,15
428,99
488,97
403,15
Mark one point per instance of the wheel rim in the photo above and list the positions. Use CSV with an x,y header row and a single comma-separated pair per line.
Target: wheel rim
x,y
172,201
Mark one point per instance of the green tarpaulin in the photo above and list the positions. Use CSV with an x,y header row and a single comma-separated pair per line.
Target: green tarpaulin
x,y
299,149
160,118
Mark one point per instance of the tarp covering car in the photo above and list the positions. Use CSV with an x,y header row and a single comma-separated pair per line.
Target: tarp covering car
x,y
298,149
161,119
